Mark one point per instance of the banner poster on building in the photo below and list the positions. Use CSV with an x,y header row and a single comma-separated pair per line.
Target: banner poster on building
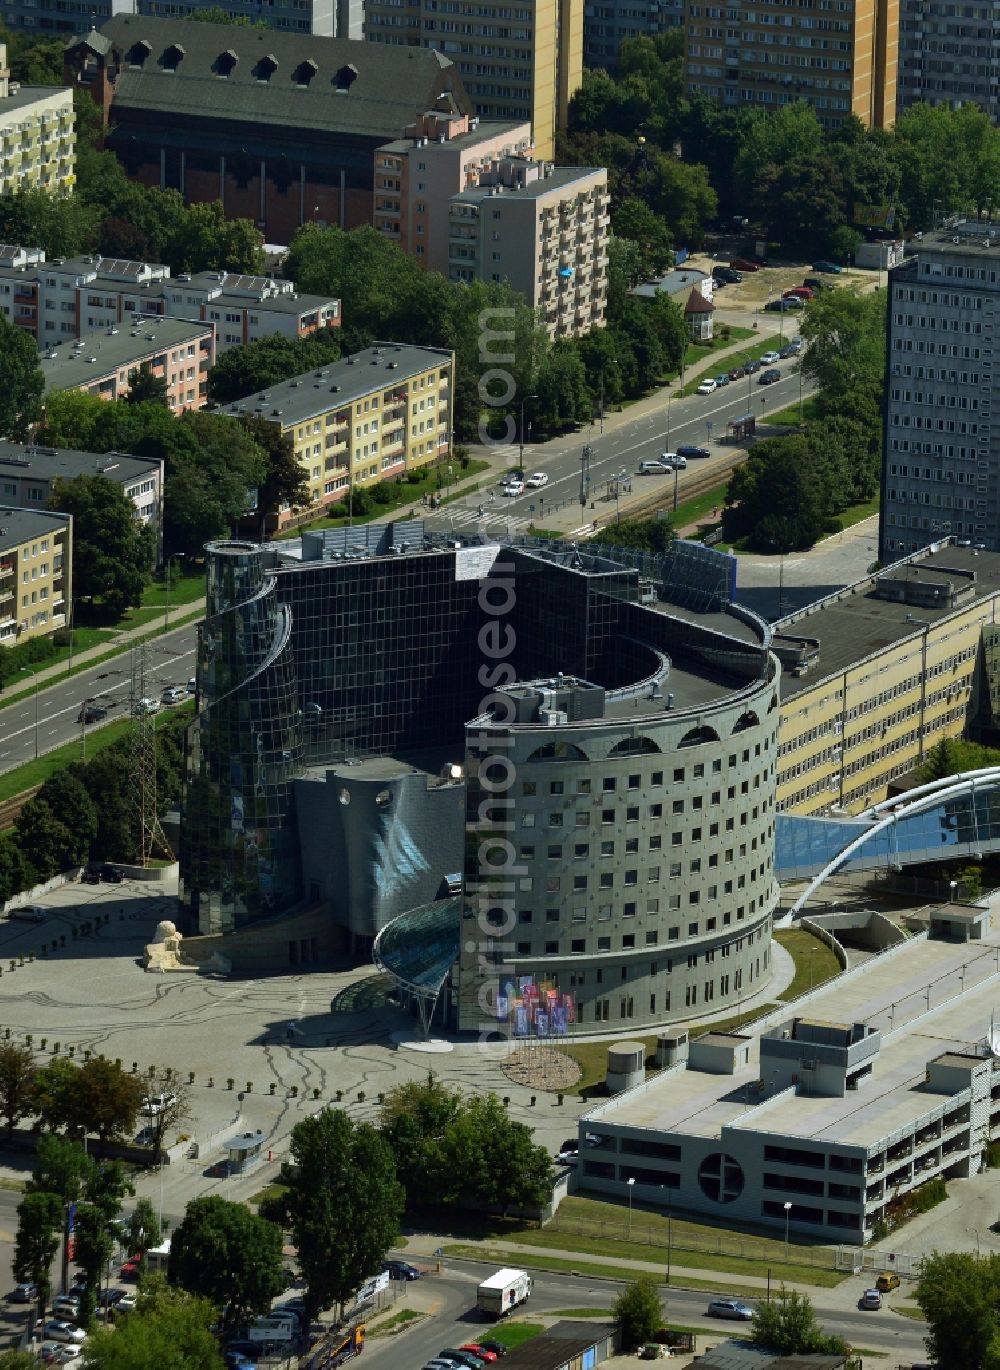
x,y
533,1009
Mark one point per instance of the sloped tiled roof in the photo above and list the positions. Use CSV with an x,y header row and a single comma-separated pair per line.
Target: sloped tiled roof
x,y
334,85
697,304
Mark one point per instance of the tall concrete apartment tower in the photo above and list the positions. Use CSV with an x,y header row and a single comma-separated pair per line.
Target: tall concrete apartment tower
x,y
841,59
525,66
949,55
941,462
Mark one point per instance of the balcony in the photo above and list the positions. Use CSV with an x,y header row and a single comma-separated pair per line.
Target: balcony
x,y
7,568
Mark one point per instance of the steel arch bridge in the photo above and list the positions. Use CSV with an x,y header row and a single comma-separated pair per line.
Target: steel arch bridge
x,y
958,816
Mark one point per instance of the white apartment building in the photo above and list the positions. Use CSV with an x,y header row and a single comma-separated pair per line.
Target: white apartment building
x,y
545,230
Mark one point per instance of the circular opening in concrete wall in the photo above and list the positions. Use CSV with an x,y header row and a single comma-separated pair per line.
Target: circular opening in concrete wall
x,y
344,796
721,1177
383,799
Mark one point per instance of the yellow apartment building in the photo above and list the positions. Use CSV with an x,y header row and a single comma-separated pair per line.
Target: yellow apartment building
x,y
36,566
37,135
841,58
369,417
874,676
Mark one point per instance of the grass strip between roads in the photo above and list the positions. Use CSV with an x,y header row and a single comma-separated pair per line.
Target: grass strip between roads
x,y
734,359
395,1324
557,1265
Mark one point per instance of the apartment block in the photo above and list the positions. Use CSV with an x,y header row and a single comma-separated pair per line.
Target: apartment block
x,y
840,59
28,472
606,26
36,550
876,675
416,176
177,350
326,18
545,230
372,416
522,62
59,299
37,135
941,458
949,55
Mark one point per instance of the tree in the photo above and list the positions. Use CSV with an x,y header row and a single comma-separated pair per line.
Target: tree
x,y
229,1255
94,1246
491,1161
47,844
205,240
959,1296
72,806
39,1223
112,549
53,1090
635,221
778,498
166,1084
143,1230
788,1326
563,398
414,1120
16,872
637,1312
169,1330
105,1099
648,535
17,1082
242,371
18,1360
286,481
341,1202
21,379
846,350
146,388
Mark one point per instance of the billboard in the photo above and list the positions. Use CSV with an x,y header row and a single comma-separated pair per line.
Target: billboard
x,y
875,216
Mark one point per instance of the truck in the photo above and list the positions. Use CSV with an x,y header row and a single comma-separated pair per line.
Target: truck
x,y
502,1292
277,1328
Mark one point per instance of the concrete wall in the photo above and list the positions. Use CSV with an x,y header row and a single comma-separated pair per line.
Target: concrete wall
x,y
874,928
307,938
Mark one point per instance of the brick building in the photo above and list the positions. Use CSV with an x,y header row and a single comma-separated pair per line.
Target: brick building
x,y
281,127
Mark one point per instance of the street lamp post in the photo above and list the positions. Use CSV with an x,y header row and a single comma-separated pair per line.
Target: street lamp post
x,y
630,1182
788,1214
24,671
520,432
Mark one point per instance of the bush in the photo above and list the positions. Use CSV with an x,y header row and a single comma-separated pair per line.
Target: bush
x,y
386,492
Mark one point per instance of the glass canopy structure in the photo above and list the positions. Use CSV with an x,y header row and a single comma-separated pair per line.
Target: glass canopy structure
x,y
947,819
418,950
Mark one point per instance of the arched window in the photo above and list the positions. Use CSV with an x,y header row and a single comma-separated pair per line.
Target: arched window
x,y
225,63
173,56
634,746
698,736
747,720
266,67
558,751
345,78
304,73
138,52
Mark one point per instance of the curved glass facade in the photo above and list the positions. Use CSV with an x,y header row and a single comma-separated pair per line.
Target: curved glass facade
x,y
420,947
239,851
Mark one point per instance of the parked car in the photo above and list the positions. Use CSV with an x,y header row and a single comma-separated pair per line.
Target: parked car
x,y
25,1292
125,1304
497,1347
107,1298
156,1103
173,694
479,1350
90,878
465,1358
887,1281
871,1298
722,379
674,461
67,1355
783,306
737,373
402,1270
192,686
689,451
730,1308
110,874
219,1170
707,386
769,358
787,351
65,1306
769,377
801,292
29,913
727,275
537,480
568,1157
795,346
235,1360
815,283
92,713
744,264
751,368
130,1270
831,268
56,1330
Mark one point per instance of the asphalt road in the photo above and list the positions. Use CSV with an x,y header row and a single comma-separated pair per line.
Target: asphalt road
x,y
49,718
697,419
450,1297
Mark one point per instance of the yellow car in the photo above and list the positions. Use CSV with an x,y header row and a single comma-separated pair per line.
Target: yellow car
x,y
887,1281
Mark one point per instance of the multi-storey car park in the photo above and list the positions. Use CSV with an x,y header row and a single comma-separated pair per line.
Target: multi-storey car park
x,y
825,1119
343,746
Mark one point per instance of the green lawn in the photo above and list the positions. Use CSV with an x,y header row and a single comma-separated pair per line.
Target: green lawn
x,y
694,510
815,963
185,588
559,1265
397,1323
810,410
515,1333
856,513
696,352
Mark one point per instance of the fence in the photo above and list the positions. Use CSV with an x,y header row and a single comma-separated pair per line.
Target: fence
x,y
857,1259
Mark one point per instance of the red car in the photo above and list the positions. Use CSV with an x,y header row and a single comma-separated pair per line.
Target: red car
x,y
744,264
130,1270
799,292
479,1351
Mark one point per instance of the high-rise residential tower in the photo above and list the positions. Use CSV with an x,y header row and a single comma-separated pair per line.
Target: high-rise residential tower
x,y
841,59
